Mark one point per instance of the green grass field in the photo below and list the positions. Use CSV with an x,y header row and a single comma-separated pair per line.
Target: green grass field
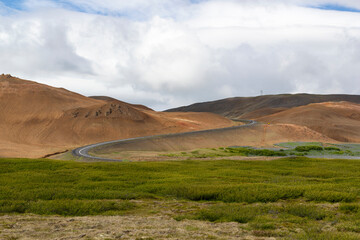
x,y
272,198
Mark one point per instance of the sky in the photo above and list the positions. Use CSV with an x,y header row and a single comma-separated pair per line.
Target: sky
x,y
169,53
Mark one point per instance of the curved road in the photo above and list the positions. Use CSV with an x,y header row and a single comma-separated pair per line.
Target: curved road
x,y
84,151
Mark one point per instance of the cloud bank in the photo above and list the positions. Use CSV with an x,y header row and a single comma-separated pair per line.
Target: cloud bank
x,y
166,53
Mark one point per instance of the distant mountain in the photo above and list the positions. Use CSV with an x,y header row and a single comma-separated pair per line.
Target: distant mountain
x,y
36,119
254,107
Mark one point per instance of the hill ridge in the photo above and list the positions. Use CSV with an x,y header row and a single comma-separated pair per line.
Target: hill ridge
x,y
37,119
236,107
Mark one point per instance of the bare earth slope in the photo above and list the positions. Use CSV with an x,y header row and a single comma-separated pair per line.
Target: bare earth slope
x,y
37,119
110,99
253,107
337,120
256,135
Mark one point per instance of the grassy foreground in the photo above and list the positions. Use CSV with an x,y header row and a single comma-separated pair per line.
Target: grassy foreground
x,y
226,181
274,198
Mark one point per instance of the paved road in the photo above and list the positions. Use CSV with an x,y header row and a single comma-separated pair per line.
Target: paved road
x,y
84,151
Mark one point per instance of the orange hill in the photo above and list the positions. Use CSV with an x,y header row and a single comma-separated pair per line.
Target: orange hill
x,y
337,120
37,119
333,116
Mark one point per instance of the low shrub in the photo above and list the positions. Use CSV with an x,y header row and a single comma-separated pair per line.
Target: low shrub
x,y
228,213
245,194
318,235
329,196
260,194
349,227
308,148
8,206
263,226
332,148
308,211
66,207
193,193
349,208
255,152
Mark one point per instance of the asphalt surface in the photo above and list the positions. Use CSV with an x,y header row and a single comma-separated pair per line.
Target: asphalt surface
x,y
84,151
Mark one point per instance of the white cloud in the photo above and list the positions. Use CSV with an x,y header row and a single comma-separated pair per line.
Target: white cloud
x,y
168,53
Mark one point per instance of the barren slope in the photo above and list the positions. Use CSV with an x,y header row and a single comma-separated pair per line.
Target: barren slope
x,y
337,120
256,135
36,119
245,107
110,99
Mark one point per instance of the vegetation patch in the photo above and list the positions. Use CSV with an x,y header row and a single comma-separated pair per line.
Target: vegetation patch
x,y
287,198
30,181
247,213
349,208
330,196
288,149
287,220
305,211
320,149
228,213
308,148
66,207
255,152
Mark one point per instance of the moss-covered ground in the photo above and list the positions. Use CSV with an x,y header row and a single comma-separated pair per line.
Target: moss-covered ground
x,y
290,198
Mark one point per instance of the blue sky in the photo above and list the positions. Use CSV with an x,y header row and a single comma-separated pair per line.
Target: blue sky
x,y
17,4
132,13
12,3
337,7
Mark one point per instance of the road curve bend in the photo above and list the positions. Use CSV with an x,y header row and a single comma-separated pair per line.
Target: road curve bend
x,y
84,151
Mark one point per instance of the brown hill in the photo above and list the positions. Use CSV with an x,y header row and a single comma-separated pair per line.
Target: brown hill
x,y
337,120
110,99
37,119
254,107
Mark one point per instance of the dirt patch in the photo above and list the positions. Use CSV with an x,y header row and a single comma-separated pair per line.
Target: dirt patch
x,y
116,227
153,219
